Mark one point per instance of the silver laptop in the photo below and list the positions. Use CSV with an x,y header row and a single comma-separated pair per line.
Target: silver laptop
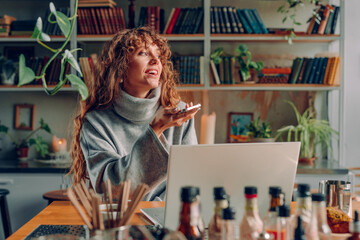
x,y
233,166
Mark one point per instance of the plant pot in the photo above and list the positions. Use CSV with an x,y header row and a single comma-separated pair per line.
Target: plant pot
x,y
307,161
22,153
249,80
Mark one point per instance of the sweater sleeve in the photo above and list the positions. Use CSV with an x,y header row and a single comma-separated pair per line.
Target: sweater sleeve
x,y
146,162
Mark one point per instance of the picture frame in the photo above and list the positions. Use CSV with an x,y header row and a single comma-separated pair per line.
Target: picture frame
x,y
24,116
236,126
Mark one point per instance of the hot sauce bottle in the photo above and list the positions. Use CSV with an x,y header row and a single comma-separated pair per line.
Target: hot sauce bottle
x,y
251,225
191,224
221,202
270,219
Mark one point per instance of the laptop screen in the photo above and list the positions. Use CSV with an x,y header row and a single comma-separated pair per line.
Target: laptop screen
x,y
232,166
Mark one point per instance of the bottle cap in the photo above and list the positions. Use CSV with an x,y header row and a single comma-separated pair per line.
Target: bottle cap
x,y
318,197
275,191
284,211
355,225
228,213
219,193
303,190
250,190
189,193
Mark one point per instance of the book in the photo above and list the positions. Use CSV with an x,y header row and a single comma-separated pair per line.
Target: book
x,y
312,23
221,19
318,70
324,19
336,16
226,19
318,20
295,70
199,20
215,72
330,64
323,71
251,20
302,70
333,70
330,20
95,21
167,23
244,21
286,70
216,20
233,22
212,20
100,20
179,20
315,65
185,22
259,21
238,21
307,70
173,20
142,16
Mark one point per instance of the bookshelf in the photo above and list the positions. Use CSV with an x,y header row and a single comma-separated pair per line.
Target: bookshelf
x,y
330,99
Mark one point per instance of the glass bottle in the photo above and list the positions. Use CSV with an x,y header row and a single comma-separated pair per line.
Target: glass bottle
x,y
190,217
299,233
318,227
303,207
283,223
221,202
355,227
270,219
228,228
251,225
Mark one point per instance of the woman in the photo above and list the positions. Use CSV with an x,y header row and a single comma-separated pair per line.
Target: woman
x,y
126,126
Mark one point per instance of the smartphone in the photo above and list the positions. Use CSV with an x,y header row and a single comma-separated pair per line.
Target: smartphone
x,y
197,106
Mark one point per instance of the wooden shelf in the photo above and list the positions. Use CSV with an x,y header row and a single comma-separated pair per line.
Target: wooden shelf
x,y
33,88
28,38
274,37
170,37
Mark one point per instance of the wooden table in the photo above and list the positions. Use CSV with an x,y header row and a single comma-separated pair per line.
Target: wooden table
x,y
63,213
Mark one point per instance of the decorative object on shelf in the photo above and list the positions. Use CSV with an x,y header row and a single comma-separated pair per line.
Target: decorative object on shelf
x,y
22,146
243,55
59,144
7,71
237,131
5,22
310,132
24,116
66,24
259,131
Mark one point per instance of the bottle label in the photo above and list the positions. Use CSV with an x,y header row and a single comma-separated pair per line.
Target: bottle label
x,y
275,234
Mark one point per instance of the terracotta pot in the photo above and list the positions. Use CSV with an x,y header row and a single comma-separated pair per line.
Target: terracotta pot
x,y
307,161
262,140
22,153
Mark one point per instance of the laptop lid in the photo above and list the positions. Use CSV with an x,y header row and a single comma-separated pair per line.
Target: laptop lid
x,y
232,166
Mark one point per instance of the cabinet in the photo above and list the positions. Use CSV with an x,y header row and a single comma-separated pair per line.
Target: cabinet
x,y
264,100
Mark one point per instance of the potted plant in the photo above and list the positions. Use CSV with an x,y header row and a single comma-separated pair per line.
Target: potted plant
x,y
259,131
310,132
22,146
247,66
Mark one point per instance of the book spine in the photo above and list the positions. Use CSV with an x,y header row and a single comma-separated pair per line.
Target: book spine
x,y
324,19
221,20
244,21
212,20
199,20
234,24
238,21
168,21
217,21
173,21
336,16
259,21
226,19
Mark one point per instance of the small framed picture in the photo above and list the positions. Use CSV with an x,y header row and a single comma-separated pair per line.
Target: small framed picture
x,y
24,116
236,126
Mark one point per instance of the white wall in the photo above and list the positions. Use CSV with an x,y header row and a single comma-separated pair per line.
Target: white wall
x,y
352,84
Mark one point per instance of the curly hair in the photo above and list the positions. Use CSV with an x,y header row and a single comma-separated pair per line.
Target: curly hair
x,y
110,70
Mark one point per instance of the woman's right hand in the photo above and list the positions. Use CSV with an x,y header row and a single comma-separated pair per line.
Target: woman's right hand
x,y
166,118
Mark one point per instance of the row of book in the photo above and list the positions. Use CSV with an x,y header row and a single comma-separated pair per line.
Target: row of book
x,y
152,16
52,72
274,75
98,20
190,69
184,21
230,20
318,70
226,71
325,20
87,65
5,22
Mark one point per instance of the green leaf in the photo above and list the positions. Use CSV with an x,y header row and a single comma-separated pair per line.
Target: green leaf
x,y
44,126
38,28
4,129
26,75
79,84
68,57
64,23
40,145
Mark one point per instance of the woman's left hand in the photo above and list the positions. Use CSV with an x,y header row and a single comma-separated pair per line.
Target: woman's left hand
x,y
166,118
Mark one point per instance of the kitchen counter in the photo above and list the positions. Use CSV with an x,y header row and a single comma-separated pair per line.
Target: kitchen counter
x,y
33,166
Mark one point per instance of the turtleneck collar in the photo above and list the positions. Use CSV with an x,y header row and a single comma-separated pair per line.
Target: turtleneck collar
x,y
138,109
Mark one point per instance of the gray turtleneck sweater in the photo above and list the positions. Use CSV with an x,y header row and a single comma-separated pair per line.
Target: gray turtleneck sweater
x,y
119,144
